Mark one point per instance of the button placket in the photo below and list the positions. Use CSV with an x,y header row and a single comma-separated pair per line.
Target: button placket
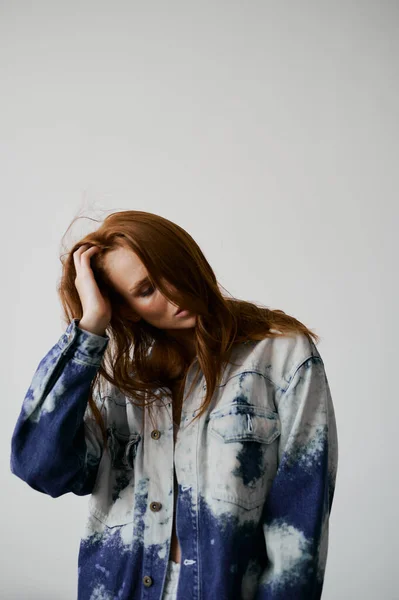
x,y
155,506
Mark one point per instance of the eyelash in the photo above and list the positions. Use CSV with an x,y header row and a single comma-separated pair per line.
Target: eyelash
x,y
147,292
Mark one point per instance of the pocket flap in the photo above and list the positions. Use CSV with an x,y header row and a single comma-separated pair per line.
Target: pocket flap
x,y
245,422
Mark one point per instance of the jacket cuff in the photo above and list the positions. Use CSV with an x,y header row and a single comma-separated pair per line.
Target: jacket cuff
x,y
85,345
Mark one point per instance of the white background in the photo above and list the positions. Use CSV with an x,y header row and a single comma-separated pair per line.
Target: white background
x,y
269,131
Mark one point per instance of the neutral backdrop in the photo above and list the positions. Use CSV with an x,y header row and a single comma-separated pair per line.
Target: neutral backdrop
x,y
269,131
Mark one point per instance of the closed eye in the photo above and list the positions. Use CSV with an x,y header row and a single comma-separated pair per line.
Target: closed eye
x,y
147,292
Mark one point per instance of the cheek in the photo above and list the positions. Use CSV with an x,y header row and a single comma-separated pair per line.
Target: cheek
x,y
157,307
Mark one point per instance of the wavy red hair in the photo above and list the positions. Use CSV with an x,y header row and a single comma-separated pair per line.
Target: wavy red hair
x,y
140,359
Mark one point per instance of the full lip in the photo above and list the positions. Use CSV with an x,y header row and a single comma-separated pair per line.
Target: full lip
x,y
180,310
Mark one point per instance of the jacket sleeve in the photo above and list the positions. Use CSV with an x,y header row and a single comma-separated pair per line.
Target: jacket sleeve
x,y
297,509
56,446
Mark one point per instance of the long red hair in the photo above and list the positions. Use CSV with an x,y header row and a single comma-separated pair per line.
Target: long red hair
x,y
140,359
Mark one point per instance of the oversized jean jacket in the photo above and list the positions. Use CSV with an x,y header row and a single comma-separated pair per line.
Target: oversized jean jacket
x,y
256,473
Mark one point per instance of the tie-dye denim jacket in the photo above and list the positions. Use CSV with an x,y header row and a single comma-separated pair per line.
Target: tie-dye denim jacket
x,y
255,474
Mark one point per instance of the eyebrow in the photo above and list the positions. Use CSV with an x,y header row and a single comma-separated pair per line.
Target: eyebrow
x,y
139,284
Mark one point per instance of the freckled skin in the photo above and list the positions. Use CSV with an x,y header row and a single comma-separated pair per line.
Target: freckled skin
x,y
125,269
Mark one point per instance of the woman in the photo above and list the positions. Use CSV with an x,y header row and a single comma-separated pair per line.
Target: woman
x,y
207,439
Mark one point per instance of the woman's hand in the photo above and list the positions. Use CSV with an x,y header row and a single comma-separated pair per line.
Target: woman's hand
x,y
97,310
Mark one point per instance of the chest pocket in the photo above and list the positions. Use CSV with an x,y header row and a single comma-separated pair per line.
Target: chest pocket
x,y
242,459
112,499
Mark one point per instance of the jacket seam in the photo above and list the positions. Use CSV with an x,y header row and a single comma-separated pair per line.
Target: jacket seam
x,y
312,357
87,364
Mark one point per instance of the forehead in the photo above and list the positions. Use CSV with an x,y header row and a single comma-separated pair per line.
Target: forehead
x,y
124,267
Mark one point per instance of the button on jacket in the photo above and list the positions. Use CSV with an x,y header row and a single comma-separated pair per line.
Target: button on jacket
x,y
256,473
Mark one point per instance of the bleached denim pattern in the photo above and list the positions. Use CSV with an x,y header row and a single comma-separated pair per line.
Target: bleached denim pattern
x,y
256,473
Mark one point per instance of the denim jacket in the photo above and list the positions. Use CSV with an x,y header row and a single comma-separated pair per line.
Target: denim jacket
x,y
255,473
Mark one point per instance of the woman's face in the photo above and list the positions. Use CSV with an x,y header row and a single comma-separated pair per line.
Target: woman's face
x,y
126,272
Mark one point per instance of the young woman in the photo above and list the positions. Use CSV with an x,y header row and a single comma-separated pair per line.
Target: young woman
x,y
206,438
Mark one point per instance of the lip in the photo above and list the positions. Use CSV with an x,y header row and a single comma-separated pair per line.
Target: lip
x,y
179,310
